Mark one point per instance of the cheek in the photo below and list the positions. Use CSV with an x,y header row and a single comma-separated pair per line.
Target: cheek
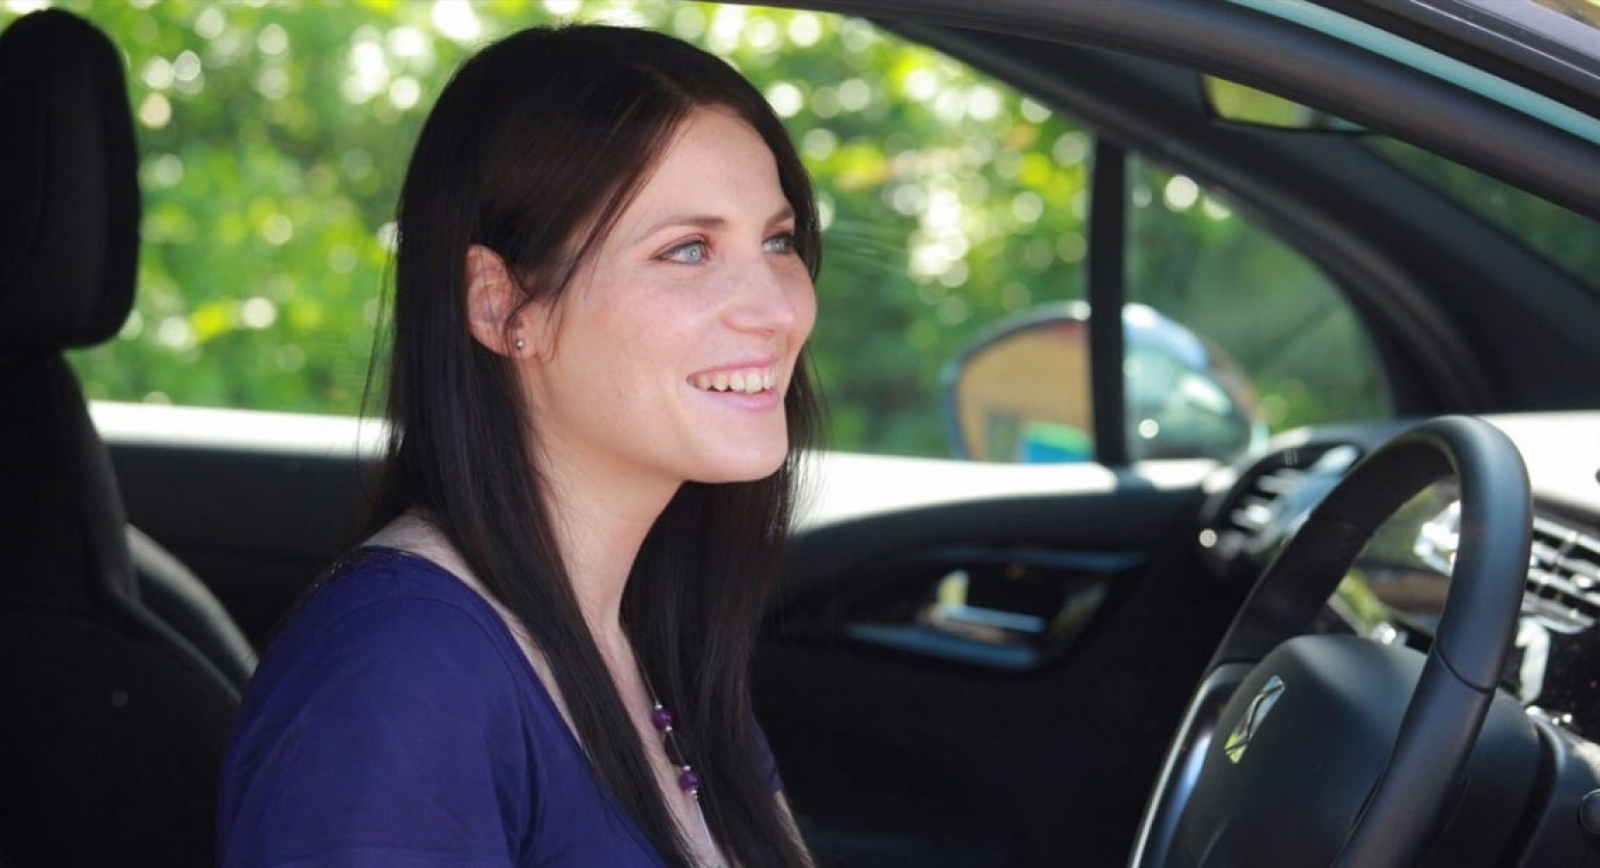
x,y
805,307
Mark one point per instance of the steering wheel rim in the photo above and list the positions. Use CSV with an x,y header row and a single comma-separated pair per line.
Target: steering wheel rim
x,y
1459,678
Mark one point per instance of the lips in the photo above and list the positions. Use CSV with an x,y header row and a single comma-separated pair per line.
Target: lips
x,y
744,381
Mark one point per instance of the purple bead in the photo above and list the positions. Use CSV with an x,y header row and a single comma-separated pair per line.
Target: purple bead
x,y
661,719
689,781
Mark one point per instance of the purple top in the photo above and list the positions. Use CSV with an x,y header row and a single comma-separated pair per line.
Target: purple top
x,y
395,722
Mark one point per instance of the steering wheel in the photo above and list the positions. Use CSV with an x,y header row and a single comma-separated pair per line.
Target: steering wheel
x,y
1319,750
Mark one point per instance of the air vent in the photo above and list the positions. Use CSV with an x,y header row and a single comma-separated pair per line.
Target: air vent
x,y
1255,508
1563,577
1270,502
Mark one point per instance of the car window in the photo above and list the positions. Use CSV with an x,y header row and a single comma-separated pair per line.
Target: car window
x,y
1272,313
1566,238
274,136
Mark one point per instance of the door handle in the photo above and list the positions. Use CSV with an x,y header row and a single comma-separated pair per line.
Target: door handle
x,y
1001,609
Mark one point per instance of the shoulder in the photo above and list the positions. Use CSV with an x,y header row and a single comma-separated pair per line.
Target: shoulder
x,y
374,575
391,691
380,627
400,600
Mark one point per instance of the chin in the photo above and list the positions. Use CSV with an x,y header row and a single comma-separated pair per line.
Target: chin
x,y
746,468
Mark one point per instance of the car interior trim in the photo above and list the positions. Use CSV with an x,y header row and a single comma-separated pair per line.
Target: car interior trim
x,y
1012,609
262,431
1441,66
1107,273
1535,44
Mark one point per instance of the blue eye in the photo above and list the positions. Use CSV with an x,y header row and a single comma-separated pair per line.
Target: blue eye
x,y
688,253
780,243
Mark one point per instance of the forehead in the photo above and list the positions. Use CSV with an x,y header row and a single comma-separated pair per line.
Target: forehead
x,y
714,160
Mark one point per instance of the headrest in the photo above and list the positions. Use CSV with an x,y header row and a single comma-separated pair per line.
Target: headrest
x,y
69,195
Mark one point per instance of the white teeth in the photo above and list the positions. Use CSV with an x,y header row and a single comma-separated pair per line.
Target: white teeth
x,y
749,382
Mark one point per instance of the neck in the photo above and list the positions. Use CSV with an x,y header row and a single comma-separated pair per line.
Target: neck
x,y
600,521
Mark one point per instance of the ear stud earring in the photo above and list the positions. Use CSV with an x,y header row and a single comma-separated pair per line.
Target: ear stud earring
x,y
520,344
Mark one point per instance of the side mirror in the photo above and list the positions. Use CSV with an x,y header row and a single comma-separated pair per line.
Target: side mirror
x,y
1020,392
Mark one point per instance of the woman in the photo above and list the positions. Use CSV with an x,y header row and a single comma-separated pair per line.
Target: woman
x,y
598,396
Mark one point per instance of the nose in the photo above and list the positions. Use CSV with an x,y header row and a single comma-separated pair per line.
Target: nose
x,y
773,295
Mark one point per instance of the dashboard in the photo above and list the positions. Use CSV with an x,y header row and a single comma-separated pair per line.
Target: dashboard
x,y
1395,590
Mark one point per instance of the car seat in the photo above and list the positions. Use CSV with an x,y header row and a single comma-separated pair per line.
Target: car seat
x,y
120,686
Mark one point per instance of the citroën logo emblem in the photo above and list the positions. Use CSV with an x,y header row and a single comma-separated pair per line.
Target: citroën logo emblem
x,y
1244,731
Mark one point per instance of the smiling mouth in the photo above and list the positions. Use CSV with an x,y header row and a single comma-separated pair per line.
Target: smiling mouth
x,y
747,381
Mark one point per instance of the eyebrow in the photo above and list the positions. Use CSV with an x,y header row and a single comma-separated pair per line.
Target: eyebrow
x,y
708,221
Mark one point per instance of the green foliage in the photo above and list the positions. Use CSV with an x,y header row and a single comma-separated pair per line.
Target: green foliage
x,y
274,136
1567,239
1278,316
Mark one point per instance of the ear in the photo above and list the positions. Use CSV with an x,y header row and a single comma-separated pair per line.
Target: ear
x,y
492,297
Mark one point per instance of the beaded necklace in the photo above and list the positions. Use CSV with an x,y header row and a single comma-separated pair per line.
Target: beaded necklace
x,y
688,779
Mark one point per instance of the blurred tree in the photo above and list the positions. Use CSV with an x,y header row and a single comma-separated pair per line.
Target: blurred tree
x,y
274,136
1277,316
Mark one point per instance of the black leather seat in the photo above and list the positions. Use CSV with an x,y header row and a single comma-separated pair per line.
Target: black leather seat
x,y
119,685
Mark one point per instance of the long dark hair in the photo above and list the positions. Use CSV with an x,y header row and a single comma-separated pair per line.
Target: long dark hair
x,y
533,150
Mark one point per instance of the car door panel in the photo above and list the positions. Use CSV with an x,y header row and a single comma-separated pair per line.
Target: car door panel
x,y
905,746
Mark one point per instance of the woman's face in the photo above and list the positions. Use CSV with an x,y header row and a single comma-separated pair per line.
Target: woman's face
x,y
668,357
